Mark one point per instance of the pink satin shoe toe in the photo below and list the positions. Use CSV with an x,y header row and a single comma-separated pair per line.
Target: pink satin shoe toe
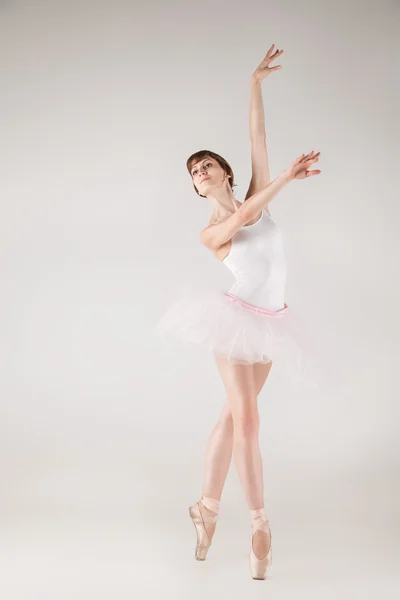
x,y
259,567
200,518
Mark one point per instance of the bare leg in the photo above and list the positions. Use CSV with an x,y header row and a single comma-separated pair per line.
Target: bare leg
x,y
242,387
218,454
217,462
220,445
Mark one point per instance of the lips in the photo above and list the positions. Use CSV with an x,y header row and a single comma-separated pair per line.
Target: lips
x,y
206,179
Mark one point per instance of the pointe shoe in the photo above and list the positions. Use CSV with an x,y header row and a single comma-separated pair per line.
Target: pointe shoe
x,y
259,567
200,517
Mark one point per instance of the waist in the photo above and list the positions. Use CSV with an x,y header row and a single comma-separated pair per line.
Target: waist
x,y
257,309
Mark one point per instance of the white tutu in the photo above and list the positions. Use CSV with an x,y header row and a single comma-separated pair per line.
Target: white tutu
x,y
245,334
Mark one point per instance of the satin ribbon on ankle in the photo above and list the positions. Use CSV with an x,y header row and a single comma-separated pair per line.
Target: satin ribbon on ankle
x,y
210,503
259,520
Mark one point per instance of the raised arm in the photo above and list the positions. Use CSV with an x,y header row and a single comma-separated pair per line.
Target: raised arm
x,y
215,235
260,174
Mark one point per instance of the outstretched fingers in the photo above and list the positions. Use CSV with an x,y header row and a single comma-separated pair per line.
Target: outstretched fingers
x,y
307,159
269,57
303,162
311,155
301,158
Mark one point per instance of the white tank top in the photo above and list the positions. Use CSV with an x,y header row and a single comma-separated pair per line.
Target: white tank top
x,y
257,261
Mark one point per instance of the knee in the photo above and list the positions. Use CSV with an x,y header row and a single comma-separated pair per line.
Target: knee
x,y
247,424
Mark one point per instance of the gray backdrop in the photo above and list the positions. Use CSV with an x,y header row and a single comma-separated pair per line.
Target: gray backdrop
x,y
103,431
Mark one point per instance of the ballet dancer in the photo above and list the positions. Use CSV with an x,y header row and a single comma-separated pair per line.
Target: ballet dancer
x,y
247,328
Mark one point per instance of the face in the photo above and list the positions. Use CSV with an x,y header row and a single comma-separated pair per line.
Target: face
x,y
206,174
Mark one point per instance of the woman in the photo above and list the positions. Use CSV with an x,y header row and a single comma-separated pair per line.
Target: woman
x,y
247,328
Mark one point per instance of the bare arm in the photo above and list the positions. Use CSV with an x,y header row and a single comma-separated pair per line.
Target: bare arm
x,y
214,236
257,121
260,173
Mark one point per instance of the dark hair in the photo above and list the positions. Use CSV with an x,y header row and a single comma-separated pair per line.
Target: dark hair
x,y
197,156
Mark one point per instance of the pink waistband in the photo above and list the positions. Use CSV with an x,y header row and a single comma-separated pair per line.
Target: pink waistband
x,y
258,309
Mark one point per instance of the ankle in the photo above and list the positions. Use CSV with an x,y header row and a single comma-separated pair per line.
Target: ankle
x,y
212,504
258,519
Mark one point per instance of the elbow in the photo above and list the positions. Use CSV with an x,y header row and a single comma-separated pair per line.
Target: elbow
x,y
205,238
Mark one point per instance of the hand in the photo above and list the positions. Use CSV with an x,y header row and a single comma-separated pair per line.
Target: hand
x,y
299,168
263,69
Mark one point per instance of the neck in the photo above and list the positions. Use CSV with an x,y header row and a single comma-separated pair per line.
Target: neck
x,y
224,204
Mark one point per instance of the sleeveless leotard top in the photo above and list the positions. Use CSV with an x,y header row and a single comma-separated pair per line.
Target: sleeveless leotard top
x,y
257,261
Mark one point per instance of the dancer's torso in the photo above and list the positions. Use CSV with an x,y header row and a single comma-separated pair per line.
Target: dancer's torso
x,y
256,259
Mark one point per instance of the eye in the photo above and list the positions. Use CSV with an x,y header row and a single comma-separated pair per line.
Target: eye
x,y
207,164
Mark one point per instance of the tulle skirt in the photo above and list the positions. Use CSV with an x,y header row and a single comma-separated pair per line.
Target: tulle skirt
x,y
243,333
